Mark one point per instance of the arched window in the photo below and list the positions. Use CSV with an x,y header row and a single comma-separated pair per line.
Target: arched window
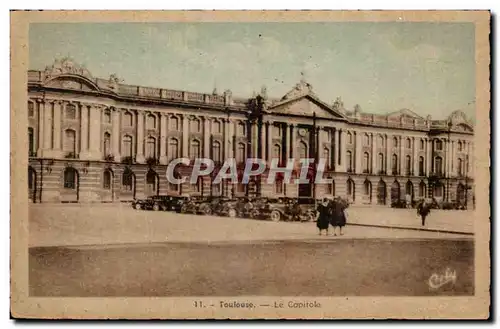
x,y
277,152
107,116
366,140
70,178
394,142
439,144
31,141
408,165
70,112
408,143
106,144
349,137
174,123
367,187
438,165
240,153
107,179
460,167
394,164
216,127
173,149
278,186
216,152
349,161
350,188
128,119
195,149
381,141
151,147
302,150
127,146
241,128
128,180
151,122
366,163
422,144
70,143
421,171
381,162
195,125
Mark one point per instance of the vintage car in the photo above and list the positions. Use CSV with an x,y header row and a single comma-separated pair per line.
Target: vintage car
x,y
220,206
289,209
191,205
250,207
155,202
175,203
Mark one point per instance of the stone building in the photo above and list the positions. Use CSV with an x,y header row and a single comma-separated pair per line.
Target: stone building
x,y
100,140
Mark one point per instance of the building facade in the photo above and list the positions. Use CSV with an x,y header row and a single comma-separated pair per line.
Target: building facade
x,y
99,140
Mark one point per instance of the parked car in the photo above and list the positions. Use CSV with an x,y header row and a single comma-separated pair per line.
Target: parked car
x,y
175,203
290,209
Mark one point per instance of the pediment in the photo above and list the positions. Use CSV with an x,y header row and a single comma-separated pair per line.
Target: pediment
x,y
306,106
71,82
405,114
465,127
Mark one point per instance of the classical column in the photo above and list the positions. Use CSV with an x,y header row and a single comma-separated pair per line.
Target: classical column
x,y
321,142
287,143
57,125
94,132
226,138
414,170
358,164
374,154
206,137
428,157
163,139
255,139
269,136
293,141
116,134
41,127
341,148
401,155
139,157
185,136
388,155
230,138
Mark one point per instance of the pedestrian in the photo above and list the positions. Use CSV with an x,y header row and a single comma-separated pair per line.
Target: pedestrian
x,y
322,221
423,211
338,218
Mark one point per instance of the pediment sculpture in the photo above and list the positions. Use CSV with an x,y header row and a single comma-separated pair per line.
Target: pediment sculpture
x,y
66,66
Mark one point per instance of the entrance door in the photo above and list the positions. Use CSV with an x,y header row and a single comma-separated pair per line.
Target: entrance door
x,y
305,190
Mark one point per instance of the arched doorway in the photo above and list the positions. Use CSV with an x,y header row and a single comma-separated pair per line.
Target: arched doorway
x,y
71,179
438,191
409,193
381,192
461,194
367,191
395,191
422,190
107,185
351,190
152,183
128,185
31,184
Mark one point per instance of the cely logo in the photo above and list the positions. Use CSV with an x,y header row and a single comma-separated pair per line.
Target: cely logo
x,y
437,281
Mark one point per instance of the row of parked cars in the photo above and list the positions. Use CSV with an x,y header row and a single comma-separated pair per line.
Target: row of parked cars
x,y
277,209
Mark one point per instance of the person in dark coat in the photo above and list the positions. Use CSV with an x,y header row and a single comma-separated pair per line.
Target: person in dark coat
x,y
323,220
423,211
338,218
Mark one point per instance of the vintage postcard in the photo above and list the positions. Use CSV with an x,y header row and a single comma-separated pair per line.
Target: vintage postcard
x,y
250,165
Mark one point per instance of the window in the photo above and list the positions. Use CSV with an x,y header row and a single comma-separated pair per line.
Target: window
x,y
439,144
381,141
422,144
302,150
277,152
460,167
438,165
421,166
128,119
70,142
240,129
173,149
151,147
278,186
349,161
216,127
107,116
127,146
408,165
195,126
381,161
367,188
150,121
394,164
174,187
174,123
366,140
216,152
240,153
107,144
395,142
70,111
151,182
349,137
31,109
195,149
128,180
106,179
459,145
70,178
438,191
331,188
408,143
31,146
350,187
366,163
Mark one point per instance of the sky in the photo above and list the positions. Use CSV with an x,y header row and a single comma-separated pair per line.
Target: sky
x,y
428,68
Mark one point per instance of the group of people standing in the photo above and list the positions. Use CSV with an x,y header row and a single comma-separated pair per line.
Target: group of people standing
x,y
331,212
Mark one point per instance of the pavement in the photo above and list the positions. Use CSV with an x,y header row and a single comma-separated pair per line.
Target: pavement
x,y
90,225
